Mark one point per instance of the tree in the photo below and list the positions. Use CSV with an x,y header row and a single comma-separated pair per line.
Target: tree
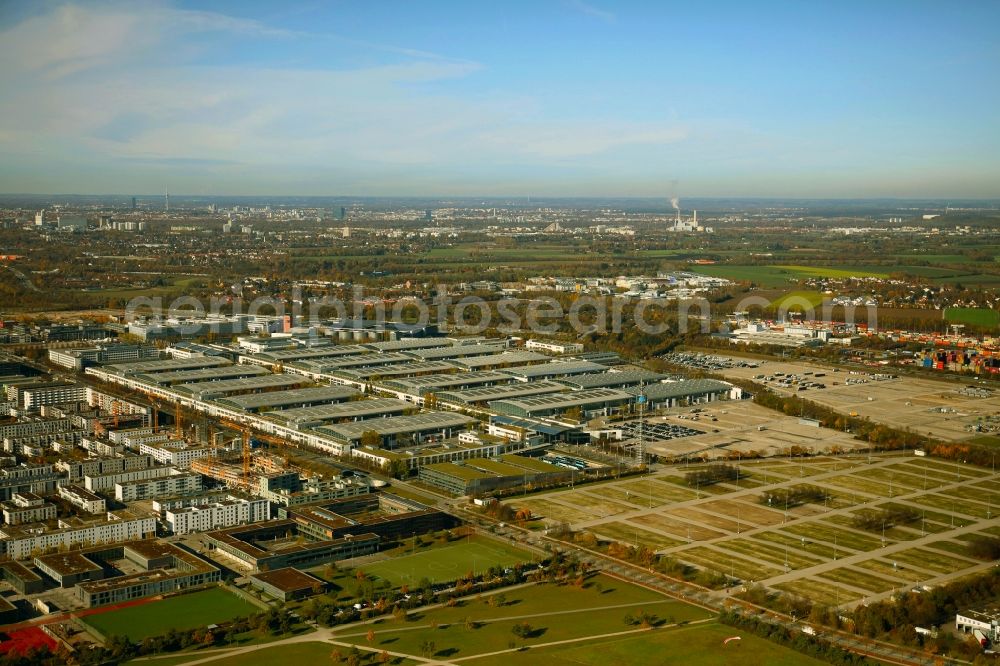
x,y
427,648
370,636
371,439
522,630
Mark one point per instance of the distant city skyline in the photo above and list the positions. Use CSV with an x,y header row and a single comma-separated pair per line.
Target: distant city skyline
x,y
551,98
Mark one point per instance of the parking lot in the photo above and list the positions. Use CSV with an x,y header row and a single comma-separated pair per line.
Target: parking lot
x,y
656,431
937,408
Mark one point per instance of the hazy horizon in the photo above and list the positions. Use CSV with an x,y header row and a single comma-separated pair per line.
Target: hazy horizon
x,y
564,98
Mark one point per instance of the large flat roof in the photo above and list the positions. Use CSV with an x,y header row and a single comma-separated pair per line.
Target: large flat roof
x,y
332,351
395,370
432,382
345,410
258,382
277,399
205,374
288,579
457,351
397,425
504,358
602,379
681,389
408,343
143,367
562,400
556,369
358,361
488,393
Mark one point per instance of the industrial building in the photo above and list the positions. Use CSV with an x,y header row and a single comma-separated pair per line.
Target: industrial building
x,y
392,430
554,369
686,392
507,359
481,396
358,410
305,397
615,379
414,389
256,384
984,619
587,404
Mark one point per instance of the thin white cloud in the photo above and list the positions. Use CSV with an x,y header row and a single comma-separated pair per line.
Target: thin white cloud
x,y
122,85
592,11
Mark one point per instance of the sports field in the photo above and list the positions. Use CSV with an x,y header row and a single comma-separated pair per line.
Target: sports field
x,y
449,562
186,611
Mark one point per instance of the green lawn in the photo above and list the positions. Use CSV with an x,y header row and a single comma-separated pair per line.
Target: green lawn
x,y
799,299
449,562
973,316
698,645
186,611
554,612
312,652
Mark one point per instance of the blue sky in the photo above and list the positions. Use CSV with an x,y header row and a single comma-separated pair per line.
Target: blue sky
x,y
550,97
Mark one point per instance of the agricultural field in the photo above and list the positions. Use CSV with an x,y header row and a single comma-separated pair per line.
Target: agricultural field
x,y
838,550
778,276
974,316
185,611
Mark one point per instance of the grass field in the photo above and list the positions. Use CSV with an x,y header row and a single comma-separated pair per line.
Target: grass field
x,y
973,316
557,613
777,276
700,644
447,563
186,611
798,300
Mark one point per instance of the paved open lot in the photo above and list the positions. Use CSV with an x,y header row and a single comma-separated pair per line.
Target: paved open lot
x,y
932,407
739,426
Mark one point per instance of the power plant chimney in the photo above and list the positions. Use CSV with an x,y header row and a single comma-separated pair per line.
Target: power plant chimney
x,y
695,220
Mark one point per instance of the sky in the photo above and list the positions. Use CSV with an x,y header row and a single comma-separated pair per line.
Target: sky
x,y
842,98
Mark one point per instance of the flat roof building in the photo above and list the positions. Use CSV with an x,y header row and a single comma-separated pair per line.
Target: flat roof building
x,y
620,379
554,369
415,427
484,394
356,410
255,384
290,399
505,359
595,402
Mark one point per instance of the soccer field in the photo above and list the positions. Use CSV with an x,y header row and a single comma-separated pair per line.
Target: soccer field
x,y
449,562
186,611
